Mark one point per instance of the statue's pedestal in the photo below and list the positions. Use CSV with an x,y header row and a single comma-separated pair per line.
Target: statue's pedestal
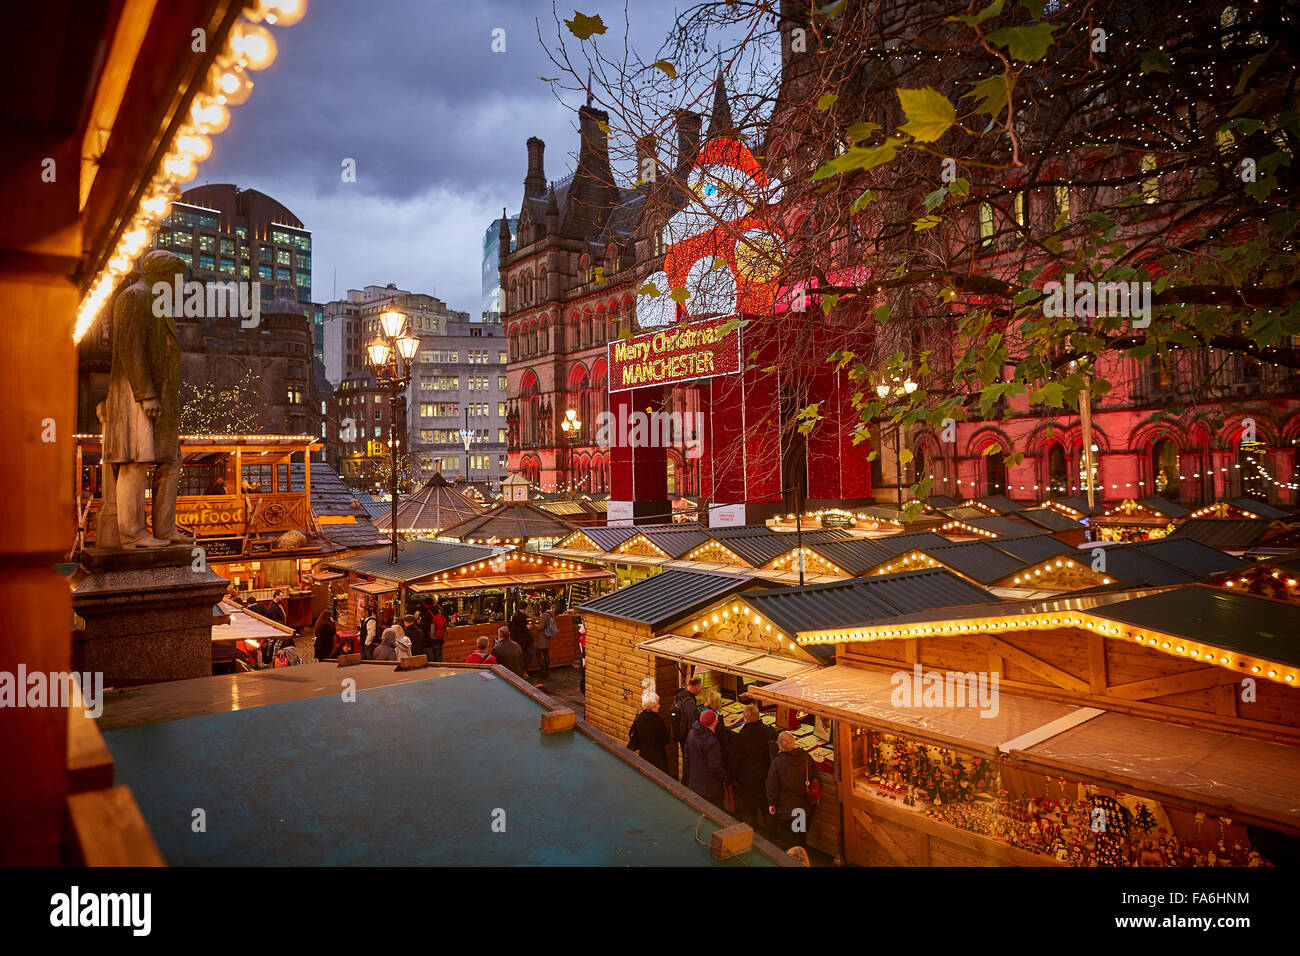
x,y
148,615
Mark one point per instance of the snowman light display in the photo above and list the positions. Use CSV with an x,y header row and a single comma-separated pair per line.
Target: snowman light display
x,y
721,247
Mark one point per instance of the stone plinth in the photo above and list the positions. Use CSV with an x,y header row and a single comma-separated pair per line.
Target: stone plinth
x,y
148,615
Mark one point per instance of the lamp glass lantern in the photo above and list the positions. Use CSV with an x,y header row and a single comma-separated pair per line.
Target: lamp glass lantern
x,y
407,345
379,351
392,320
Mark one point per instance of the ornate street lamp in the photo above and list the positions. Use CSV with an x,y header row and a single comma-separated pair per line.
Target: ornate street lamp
x,y
571,425
466,436
390,356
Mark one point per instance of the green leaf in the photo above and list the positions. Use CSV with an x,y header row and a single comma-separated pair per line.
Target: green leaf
x,y
992,10
679,296
649,289
549,79
600,274
1156,61
583,26
832,9
959,187
860,157
828,303
860,131
926,222
625,333
934,199
826,101
1053,245
1035,7
1028,44
1052,393
602,126
904,456
860,203
991,93
1025,296
929,113
668,68
881,313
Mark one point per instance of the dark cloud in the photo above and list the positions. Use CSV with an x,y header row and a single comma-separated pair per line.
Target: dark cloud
x,y
436,122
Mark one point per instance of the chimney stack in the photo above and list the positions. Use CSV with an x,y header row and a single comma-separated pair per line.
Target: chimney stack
x,y
647,167
688,138
535,181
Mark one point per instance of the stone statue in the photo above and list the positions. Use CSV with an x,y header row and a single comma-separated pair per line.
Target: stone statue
x,y
142,412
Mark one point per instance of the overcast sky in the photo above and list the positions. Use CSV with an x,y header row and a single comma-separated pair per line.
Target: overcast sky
x,y
435,120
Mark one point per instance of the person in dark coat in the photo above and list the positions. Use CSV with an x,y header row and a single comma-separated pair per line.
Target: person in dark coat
x,y
706,774
523,635
508,653
387,649
747,767
787,792
324,633
685,703
713,701
417,634
649,733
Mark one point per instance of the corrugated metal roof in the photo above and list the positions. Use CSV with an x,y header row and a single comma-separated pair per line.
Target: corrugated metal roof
x,y
964,513
1165,507
1190,555
610,538
858,555
330,497
1237,534
863,600
675,541
1125,563
1229,619
942,501
1005,527
1261,508
1049,518
758,550
1080,504
667,597
741,531
977,560
1033,549
416,559
516,521
1002,504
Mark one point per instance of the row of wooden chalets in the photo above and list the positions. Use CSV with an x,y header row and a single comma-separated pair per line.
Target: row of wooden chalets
x,y
986,685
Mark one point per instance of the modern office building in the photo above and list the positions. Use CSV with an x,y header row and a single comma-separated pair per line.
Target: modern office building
x,y
224,232
491,303
457,383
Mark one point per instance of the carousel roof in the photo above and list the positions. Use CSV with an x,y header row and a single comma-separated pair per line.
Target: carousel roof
x,y
510,521
436,506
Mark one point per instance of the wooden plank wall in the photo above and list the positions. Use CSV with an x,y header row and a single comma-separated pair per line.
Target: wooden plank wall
x,y
615,669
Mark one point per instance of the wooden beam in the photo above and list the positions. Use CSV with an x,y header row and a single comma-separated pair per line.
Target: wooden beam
x,y
1225,700
1198,679
1096,664
108,829
1040,667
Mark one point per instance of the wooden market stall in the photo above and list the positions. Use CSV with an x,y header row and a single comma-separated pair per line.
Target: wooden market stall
x,y
1145,727
1137,520
478,587
736,633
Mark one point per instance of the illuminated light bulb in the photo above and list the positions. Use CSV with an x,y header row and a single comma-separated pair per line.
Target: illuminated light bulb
x,y
209,116
179,169
195,145
133,241
254,45
232,89
1272,673
281,13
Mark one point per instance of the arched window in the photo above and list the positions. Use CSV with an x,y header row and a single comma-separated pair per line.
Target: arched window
x,y
995,473
1164,468
1058,473
529,403
1250,466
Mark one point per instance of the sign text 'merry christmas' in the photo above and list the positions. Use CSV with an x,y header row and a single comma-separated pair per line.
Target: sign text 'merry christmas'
x,y
700,350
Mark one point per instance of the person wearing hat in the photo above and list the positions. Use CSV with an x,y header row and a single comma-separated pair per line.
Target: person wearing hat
x,y
387,649
706,776
403,647
649,734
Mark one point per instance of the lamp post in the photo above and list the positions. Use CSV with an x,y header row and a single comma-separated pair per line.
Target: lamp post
x,y
906,387
390,356
466,436
571,424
